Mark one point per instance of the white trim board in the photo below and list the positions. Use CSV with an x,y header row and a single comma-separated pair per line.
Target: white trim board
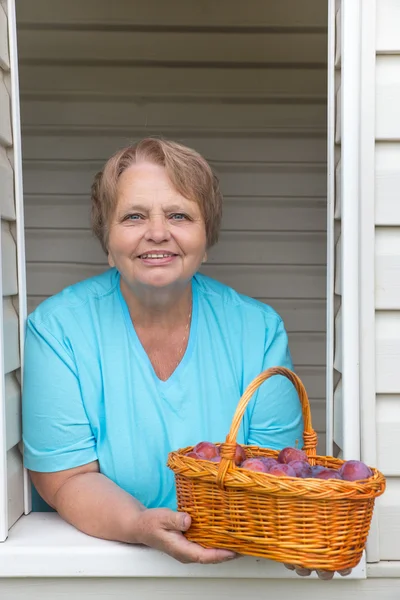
x,y
43,545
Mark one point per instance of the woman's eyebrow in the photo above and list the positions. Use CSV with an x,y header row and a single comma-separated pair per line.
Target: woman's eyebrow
x,y
134,208
142,208
175,208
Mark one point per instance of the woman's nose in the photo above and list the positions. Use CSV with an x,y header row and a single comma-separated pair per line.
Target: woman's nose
x,y
158,230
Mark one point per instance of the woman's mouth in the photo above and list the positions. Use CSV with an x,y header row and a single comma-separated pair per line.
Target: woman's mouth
x,y
157,258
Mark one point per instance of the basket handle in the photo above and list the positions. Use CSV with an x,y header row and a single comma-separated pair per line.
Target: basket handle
x,y
229,447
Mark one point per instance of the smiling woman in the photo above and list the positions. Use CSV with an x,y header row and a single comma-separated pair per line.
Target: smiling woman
x,y
147,357
164,230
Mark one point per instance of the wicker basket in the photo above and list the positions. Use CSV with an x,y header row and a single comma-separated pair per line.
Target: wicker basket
x,y
318,524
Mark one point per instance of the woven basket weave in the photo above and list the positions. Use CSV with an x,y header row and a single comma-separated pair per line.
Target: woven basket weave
x,y
318,524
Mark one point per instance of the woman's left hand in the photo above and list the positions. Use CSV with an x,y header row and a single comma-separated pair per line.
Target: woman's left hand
x,y
321,574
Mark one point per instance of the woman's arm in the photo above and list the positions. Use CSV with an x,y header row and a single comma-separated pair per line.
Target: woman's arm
x,y
97,506
90,501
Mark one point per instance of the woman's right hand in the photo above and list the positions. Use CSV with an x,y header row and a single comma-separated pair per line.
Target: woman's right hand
x,y
162,529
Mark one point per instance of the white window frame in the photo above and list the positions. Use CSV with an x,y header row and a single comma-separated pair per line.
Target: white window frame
x,y
42,544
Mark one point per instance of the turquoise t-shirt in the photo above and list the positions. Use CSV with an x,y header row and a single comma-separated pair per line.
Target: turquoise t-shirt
x,y
90,391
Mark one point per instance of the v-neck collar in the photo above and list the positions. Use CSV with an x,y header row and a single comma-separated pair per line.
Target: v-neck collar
x,y
138,345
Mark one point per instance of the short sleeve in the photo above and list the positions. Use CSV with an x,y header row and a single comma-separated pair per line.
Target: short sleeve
x,y
56,431
276,420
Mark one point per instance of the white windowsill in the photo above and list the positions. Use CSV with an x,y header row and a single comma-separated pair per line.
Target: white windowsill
x,y
43,545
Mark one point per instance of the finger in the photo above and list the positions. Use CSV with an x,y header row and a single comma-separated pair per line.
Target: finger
x,y
302,571
188,552
290,567
325,574
345,572
175,521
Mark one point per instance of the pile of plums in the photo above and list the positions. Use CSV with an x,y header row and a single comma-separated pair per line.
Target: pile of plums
x,y
291,462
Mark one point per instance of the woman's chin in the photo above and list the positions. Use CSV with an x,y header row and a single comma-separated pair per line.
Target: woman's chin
x,y
160,280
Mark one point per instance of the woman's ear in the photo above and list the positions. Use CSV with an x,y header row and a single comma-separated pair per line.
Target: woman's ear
x,y
110,260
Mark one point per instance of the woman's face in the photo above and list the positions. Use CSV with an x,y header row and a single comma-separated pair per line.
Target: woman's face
x,y
157,237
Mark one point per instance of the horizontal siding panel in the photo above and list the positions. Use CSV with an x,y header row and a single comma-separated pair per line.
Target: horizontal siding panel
x,y
15,486
236,179
144,117
175,13
307,349
387,183
13,411
318,412
122,47
387,350
240,214
387,98
301,315
387,268
248,149
314,380
134,82
11,337
5,115
8,261
321,446
387,26
7,209
389,521
4,57
388,433
44,279
66,246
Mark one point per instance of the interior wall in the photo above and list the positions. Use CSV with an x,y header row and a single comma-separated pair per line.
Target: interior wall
x,y
243,83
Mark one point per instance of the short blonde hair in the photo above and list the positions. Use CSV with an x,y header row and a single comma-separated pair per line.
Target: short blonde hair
x,y
189,172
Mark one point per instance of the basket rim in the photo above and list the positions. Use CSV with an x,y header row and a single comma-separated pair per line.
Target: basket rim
x,y
237,478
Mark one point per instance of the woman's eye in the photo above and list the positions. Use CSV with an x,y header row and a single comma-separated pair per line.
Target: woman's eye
x,y
178,217
133,217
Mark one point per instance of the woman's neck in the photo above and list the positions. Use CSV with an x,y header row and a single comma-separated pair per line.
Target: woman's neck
x,y
161,307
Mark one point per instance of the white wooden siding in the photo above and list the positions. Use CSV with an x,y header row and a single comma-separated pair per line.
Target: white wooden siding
x,y
387,264
388,27
387,270
389,520
244,84
387,179
387,96
388,432
10,291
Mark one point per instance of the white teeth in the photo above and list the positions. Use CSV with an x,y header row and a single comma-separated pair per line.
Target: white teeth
x,y
156,255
